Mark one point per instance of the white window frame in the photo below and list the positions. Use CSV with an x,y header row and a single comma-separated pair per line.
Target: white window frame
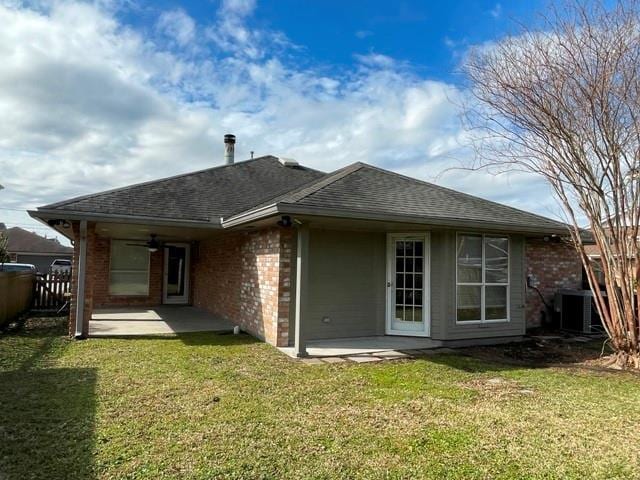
x,y
128,271
484,284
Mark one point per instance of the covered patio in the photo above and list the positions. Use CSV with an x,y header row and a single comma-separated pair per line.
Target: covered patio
x,y
164,319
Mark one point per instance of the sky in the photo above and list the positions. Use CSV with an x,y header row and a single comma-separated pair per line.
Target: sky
x,y
97,95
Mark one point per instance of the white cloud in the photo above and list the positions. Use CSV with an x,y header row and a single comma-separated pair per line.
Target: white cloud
x,y
87,103
177,25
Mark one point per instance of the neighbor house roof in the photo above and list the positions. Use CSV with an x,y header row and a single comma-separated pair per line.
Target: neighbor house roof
x,y
255,189
23,241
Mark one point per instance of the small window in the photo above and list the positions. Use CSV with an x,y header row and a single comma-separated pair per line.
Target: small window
x,y
129,272
482,290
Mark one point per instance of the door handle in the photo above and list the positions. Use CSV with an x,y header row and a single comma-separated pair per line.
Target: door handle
x,y
389,284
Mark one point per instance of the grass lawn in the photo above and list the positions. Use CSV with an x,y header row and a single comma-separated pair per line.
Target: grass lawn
x,y
208,406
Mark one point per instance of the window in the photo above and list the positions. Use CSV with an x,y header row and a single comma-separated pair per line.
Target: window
x,y
482,289
129,272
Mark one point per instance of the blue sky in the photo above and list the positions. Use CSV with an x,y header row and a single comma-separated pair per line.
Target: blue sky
x,y
96,95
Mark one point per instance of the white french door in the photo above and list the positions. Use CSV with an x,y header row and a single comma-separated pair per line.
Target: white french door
x,y
176,273
408,284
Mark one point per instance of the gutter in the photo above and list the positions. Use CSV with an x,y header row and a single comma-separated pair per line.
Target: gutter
x,y
280,209
111,218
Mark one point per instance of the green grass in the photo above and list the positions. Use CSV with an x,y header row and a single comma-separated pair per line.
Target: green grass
x,y
208,406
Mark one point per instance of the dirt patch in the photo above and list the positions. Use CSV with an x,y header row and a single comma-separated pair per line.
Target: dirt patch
x,y
594,352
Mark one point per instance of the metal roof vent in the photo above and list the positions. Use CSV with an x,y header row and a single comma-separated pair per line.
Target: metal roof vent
x,y
288,162
229,148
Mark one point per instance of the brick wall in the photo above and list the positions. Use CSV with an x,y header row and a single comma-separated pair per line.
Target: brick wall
x,y
553,266
246,278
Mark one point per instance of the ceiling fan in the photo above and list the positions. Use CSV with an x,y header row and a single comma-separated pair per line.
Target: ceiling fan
x,y
152,244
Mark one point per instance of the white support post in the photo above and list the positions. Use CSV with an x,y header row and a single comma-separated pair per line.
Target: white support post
x,y
82,268
302,288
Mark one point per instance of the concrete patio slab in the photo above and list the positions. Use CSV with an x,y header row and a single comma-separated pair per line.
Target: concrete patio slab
x,y
165,319
342,347
364,359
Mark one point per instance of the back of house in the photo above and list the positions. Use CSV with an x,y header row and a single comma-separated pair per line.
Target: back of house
x,y
293,255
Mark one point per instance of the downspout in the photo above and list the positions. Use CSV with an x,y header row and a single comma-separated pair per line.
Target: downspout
x,y
82,267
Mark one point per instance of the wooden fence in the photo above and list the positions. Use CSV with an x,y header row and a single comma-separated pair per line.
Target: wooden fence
x,y
51,291
16,295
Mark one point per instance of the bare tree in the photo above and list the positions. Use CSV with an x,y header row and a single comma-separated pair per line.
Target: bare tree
x,y
564,102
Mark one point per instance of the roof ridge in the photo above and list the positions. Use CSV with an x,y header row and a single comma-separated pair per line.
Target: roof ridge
x,y
148,182
304,191
457,192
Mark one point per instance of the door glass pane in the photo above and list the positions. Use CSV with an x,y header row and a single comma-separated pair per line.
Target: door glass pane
x,y
399,296
417,314
496,250
418,265
408,297
399,249
408,264
408,249
400,313
469,259
495,303
408,280
418,297
175,271
399,265
400,281
469,302
418,282
418,249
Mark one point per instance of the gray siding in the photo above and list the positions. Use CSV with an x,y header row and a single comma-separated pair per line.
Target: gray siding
x,y
348,284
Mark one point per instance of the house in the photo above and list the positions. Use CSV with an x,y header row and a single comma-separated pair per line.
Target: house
x,y
294,255
29,247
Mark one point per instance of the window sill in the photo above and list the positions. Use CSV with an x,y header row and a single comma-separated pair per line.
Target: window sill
x,y
482,323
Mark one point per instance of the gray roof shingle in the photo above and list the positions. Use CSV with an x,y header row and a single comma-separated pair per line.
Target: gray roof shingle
x,y
205,195
240,191
367,189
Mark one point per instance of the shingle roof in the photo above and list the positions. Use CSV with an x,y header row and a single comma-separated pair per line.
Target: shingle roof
x,y
20,240
205,195
264,186
367,189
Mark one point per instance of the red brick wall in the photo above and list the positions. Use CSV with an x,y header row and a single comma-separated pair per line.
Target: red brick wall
x,y
245,277
553,266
